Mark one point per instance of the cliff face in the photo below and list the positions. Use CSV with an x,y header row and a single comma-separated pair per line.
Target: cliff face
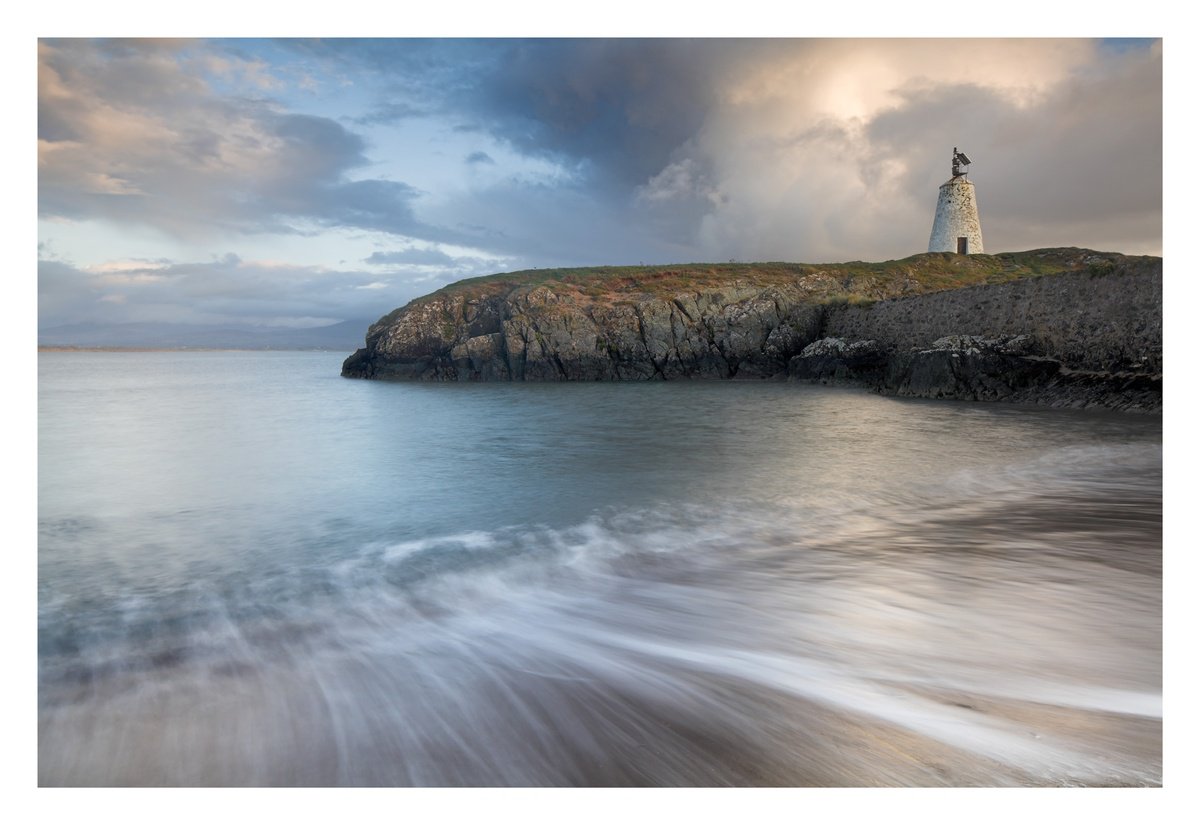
x,y
1106,318
1100,315
1091,338
538,334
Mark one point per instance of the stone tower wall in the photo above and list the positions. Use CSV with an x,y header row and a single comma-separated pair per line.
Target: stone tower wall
x,y
957,216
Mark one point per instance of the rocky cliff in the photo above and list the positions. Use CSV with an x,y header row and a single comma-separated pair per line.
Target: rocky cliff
x,y
1086,320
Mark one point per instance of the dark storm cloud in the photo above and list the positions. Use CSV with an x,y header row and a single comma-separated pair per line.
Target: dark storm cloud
x,y
619,107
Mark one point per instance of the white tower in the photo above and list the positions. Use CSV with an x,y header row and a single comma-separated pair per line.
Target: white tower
x,y
956,221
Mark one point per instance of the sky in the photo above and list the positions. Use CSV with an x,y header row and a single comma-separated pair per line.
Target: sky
x,y
306,182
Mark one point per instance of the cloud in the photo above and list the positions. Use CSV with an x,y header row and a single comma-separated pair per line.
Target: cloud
x,y
825,149
480,157
838,153
132,134
681,180
388,113
538,224
413,256
225,290
418,265
230,290
620,106
1088,149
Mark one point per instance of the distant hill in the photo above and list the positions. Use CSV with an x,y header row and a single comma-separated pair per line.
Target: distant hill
x,y
346,335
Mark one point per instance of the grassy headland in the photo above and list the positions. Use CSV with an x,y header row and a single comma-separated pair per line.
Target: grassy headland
x,y
854,282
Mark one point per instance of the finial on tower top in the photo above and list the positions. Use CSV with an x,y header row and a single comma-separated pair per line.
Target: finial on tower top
x,y
960,160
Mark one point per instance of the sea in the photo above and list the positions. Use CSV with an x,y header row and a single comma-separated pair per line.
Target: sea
x,y
252,571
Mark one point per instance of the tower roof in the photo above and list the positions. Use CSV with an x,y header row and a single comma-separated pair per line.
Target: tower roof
x,y
958,163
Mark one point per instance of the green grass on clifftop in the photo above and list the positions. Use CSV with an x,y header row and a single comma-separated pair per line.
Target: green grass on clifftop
x,y
855,282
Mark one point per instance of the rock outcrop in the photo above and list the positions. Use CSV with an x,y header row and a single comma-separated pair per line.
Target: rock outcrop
x,y
975,369
1065,327
540,335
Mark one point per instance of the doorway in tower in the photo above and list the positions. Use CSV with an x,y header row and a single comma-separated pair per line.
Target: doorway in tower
x,y
962,246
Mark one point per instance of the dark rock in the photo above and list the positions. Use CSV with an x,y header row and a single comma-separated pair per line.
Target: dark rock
x,y
1087,337
834,361
969,367
536,334
1109,321
358,365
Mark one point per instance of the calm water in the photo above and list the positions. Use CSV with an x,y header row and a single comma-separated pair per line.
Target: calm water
x,y
253,571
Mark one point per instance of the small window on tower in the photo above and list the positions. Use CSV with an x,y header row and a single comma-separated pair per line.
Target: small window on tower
x,y
962,246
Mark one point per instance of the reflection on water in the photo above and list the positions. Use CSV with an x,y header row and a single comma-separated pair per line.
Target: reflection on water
x,y
253,572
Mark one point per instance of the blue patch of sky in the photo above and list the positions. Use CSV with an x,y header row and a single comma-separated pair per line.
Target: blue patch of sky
x,y
304,84
355,81
1120,45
